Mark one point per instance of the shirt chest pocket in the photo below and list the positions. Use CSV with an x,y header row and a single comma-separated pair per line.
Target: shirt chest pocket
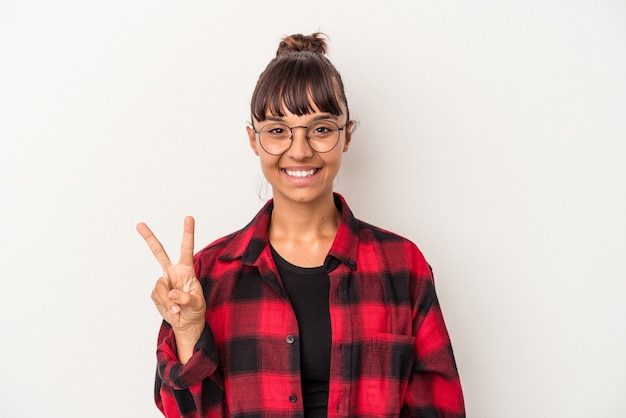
x,y
386,364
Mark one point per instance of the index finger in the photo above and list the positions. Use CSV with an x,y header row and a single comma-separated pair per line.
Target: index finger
x,y
154,244
186,248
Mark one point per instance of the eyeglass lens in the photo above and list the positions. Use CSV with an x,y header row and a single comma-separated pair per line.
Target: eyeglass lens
x,y
276,138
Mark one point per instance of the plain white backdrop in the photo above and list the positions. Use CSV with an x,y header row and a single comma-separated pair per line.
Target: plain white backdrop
x,y
492,134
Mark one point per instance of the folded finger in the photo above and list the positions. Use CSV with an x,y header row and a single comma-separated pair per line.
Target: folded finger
x,y
160,296
159,304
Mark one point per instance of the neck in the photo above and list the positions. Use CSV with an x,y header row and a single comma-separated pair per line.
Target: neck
x,y
304,219
303,233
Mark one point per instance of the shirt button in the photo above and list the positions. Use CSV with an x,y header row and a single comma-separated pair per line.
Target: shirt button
x,y
290,339
293,398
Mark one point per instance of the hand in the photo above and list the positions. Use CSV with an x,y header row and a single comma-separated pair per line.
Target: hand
x,y
178,294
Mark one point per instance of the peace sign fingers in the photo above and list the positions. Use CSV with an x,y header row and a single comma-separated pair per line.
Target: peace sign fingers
x,y
178,294
155,245
186,248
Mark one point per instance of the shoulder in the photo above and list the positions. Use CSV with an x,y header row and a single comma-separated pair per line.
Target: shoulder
x,y
375,248
369,233
246,242
209,261
218,247
398,251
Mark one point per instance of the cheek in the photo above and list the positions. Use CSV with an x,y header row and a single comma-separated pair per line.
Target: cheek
x,y
268,162
334,160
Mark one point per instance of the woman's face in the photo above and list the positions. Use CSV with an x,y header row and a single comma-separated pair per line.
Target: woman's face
x,y
301,174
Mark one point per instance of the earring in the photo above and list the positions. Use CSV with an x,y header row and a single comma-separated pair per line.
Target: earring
x,y
263,189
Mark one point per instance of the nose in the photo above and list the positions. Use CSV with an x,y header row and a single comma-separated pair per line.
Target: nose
x,y
300,147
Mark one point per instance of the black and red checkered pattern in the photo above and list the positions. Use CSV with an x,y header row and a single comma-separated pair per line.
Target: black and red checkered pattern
x,y
391,354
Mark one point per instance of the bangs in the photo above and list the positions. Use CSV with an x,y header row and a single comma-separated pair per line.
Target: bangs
x,y
299,83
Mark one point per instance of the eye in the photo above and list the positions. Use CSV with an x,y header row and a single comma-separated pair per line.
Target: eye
x,y
276,130
323,128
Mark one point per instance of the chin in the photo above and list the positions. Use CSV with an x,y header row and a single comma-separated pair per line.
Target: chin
x,y
302,196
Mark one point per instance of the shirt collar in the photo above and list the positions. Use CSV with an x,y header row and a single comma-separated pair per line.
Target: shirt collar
x,y
249,243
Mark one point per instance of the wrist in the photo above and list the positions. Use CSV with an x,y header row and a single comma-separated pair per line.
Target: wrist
x,y
190,331
186,341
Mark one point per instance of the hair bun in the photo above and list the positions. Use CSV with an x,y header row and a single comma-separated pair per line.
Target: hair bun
x,y
315,42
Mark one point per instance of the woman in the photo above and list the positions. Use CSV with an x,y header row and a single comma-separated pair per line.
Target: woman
x,y
306,311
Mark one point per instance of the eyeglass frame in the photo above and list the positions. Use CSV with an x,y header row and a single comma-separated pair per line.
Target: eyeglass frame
x,y
308,139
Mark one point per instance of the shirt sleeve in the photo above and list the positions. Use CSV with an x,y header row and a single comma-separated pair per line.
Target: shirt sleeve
x,y
434,388
192,390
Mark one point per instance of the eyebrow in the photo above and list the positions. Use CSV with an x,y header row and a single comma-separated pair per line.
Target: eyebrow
x,y
320,116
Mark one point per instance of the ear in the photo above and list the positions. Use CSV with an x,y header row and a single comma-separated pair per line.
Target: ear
x,y
350,127
252,139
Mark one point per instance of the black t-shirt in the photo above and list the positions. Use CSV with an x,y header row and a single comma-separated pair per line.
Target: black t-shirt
x,y
308,290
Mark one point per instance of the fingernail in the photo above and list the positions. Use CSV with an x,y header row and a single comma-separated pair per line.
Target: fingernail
x,y
175,309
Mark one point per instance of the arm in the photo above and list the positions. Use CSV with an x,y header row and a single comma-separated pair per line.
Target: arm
x,y
434,388
188,383
190,390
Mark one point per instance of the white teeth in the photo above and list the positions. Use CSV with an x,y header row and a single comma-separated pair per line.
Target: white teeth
x,y
300,174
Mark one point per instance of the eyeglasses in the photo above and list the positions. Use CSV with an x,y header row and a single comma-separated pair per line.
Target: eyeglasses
x,y
322,136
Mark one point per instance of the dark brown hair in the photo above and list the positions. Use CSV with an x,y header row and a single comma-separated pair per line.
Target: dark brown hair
x,y
300,77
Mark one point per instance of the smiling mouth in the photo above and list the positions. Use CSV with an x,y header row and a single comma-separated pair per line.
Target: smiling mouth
x,y
301,173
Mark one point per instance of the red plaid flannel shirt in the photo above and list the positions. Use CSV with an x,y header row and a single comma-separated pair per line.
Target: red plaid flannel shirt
x,y
390,356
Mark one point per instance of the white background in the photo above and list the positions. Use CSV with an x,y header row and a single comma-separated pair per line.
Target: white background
x,y
492,133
